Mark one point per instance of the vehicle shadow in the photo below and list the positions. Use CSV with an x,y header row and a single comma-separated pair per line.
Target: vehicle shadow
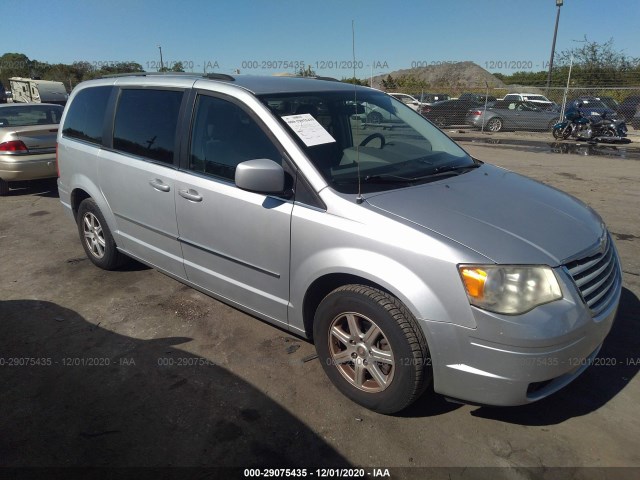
x,y
76,394
616,365
47,187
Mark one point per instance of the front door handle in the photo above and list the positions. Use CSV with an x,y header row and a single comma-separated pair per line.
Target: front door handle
x,y
158,185
190,195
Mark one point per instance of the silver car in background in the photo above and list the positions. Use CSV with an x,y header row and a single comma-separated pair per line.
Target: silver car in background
x,y
512,115
404,259
27,142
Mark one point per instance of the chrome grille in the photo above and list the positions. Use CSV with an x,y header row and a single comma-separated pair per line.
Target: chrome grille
x,y
597,276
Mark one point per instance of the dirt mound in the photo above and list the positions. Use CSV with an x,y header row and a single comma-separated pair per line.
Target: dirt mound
x,y
461,75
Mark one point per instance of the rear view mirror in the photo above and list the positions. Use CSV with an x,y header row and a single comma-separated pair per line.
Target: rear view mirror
x,y
260,176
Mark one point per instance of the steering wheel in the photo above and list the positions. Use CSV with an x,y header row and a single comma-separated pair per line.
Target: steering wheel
x,y
371,137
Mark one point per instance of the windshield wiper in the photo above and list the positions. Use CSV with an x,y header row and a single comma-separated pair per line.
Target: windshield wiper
x,y
387,178
437,172
452,168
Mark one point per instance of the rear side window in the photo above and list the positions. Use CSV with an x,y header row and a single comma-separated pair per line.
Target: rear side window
x,y
146,122
85,118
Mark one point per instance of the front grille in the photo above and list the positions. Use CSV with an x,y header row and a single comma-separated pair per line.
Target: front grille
x,y
597,276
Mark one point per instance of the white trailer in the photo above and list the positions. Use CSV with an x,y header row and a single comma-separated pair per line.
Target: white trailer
x,y
27,90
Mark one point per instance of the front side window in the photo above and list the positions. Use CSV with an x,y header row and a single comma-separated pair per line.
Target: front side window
x,y
371,139
224,135
146,122
85,118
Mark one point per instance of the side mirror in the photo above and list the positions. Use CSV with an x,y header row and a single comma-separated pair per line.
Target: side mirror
x,y
260,176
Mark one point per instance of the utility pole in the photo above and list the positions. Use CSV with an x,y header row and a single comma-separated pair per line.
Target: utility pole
x,y
553,44
162,64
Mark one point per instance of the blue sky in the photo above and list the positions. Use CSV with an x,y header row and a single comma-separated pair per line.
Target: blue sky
x,y
243,34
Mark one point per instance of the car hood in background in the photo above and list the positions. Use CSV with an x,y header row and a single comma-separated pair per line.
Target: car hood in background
x,y
504,216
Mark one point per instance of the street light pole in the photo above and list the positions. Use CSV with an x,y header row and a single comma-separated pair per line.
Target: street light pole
x,y
553,44
162,64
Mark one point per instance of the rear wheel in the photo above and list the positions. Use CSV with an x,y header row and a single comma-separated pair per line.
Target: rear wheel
x,y
494,124
374,117
96,237
371,348
4,188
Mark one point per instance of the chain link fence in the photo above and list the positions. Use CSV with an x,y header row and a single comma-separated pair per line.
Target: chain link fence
x,y
527,108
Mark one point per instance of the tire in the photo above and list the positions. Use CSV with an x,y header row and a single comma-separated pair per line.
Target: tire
x,y
440,121
561,133
4,188
374,117
96,237
552,123
494,124
355,324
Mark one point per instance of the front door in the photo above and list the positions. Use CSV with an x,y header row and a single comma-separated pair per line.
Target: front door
x,y
235,243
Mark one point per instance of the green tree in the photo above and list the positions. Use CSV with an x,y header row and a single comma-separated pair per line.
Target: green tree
x,y
302,72
13,65
177,67
389,83
355,81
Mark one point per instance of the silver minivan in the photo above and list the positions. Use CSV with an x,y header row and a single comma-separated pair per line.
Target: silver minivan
x,y
404,259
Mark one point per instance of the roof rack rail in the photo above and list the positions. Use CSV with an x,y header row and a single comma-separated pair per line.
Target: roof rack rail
x,y
211,76
218,76
328,79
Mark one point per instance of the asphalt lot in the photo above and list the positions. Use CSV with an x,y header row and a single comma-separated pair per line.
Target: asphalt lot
x,y
131,368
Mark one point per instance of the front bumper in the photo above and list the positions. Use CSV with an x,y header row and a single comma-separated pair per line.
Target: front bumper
x,y
27,167
515,360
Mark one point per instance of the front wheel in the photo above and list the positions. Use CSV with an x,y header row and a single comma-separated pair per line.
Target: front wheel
x,y
372,348
96,237
560,133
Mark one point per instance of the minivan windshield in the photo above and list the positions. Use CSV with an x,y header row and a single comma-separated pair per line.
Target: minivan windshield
x,y
367,138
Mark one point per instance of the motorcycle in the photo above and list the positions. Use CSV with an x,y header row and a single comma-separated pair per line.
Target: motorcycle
x,y
598,128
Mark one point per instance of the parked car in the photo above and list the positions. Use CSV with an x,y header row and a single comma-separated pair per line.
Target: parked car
x,y
408,100
512,115
431,98
449,112
610,103
27,142
406,260
539,100
371,113
628,107
3,94
475,97
635,120
592,106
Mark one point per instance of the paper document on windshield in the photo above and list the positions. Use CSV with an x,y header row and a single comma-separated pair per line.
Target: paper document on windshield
x,y
308,129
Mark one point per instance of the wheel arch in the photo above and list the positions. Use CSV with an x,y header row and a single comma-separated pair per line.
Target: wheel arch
x,y
324,285
392,278
83,188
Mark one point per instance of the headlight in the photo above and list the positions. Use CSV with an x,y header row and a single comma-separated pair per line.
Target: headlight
x,y
509,289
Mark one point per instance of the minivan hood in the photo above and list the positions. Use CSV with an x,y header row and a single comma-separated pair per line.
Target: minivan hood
x,y
506,217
